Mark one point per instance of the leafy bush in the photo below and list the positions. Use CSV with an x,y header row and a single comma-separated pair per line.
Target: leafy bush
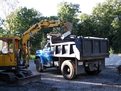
x,y
111,51
32,57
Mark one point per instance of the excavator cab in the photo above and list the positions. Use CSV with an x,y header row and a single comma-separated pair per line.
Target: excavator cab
x,y
9,47
10,68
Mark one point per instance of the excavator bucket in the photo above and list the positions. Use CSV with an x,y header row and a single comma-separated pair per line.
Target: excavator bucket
x,y
29,79
68,26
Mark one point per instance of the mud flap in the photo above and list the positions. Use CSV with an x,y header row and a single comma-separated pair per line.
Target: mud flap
x,y
29,79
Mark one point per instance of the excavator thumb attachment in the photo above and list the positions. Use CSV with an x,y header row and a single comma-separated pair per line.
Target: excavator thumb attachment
x,y
29,79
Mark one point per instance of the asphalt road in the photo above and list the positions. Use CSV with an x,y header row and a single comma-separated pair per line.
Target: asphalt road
x,y
52,80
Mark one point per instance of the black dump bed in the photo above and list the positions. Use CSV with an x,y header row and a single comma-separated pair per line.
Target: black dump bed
x,y
82,48
92,47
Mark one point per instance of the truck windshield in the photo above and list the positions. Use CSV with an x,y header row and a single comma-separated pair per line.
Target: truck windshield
x,y
6,46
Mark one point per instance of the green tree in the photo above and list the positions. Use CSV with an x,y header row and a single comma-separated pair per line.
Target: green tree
x,y
69,12
1,28
86,26
1,31
21,19
105,21
108,20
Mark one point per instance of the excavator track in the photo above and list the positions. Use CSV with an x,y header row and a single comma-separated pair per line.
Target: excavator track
x,y
7,76
21,78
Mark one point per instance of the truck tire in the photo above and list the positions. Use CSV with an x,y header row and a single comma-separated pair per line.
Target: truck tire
x,y
68,70
38,63
94,72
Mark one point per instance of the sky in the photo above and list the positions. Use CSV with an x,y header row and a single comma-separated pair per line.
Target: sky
x,y
49,7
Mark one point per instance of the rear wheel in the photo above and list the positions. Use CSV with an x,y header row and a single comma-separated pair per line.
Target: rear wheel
x,y
119,70
38,63
68,70
94,71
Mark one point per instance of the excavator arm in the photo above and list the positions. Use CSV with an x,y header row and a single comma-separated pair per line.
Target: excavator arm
x,y
34,29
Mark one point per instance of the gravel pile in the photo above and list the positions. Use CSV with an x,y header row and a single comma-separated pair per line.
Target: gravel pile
x,y
113,59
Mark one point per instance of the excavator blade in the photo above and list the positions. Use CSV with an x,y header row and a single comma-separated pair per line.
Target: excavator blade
x,y
29,79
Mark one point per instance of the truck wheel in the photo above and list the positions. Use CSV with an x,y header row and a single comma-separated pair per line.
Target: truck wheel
x,y
39,67
94,72
68,70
